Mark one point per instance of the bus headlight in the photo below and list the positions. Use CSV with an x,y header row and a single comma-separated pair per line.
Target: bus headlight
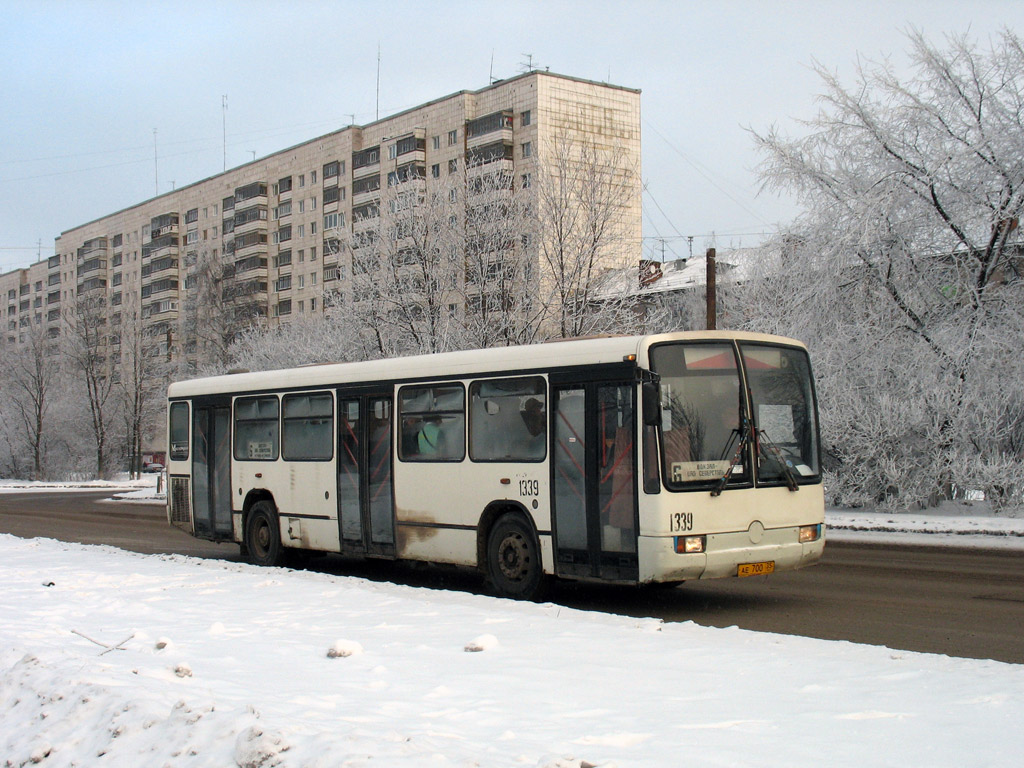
x,y
689,545
809,533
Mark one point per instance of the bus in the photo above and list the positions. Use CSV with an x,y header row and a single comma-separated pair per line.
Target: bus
x,y
638,460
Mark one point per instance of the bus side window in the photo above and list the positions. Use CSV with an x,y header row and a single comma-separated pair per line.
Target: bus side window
x,y
179,432
308,427
256,428
433,423
508,419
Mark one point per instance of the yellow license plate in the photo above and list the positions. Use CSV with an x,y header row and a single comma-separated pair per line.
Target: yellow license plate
x,y
756,569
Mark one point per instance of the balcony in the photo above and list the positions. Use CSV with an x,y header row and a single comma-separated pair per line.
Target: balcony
x,y
92,284
160,308
255,287
251,267
250,218
255,192
489,129
159,265
365,189
365,160
165,224
490,152
410,149
53,262
247,241
97,246
160,286
91,265
159,244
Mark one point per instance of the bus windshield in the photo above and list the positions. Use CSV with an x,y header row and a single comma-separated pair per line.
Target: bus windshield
x,y
783,412
700,414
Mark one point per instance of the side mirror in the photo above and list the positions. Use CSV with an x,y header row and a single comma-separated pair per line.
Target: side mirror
x,y
651,404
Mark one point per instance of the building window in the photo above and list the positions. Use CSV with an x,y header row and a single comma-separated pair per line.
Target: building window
x,y
527,147
453,165
312,177
435,170
526,181
453,137
524,118
435,142
302,179
285,185
392,151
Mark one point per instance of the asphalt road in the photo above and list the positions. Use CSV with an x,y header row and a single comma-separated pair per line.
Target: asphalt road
x,y
960,602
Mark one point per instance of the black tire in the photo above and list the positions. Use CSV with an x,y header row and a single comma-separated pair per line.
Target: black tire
x,y
263,535
513,559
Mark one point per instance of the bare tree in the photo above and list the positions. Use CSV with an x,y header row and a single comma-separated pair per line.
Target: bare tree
x,y
141,378
29,372
495,232
904,272
86,347
404,270
580,196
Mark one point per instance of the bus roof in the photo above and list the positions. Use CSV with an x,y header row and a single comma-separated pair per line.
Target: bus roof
x,y
547,356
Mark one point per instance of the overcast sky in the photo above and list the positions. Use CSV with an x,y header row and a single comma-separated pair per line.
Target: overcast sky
x,y
83,85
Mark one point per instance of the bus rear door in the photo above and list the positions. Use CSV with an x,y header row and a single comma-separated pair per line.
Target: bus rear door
x,y
211,467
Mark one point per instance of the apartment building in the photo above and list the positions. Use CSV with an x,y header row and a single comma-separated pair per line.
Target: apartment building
x,y
272,224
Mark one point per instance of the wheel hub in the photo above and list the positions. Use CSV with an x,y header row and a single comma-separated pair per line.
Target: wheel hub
x,y
512,557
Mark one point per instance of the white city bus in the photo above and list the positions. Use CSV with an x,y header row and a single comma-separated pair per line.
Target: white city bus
x,y
644,459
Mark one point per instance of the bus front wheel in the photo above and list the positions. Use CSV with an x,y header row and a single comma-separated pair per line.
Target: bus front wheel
x,y
262,536
513,559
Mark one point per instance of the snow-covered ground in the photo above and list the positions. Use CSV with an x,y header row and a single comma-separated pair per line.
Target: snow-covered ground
x,y
114,658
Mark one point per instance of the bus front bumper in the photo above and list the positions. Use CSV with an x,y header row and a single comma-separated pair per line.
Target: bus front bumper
x,y
724,552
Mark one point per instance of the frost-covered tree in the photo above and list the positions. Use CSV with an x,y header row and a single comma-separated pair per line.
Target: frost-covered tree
x,y
140,379
904,270
86,348
579,197
29,376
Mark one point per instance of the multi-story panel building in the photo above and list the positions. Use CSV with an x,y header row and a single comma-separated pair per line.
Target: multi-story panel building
x,y
262,240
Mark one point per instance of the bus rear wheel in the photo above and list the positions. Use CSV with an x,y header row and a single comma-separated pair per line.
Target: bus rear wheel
x,y
262,535
513,559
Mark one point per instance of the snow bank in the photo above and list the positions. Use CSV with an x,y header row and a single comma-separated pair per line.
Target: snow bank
x,y
553,687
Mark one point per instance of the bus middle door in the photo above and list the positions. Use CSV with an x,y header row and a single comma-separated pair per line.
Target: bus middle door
x,y
366,514
594,478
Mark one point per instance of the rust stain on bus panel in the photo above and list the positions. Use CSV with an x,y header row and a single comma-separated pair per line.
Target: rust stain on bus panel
x,y
412,528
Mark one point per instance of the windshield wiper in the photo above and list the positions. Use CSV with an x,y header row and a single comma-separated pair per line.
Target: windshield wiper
x,y
745,431
776,454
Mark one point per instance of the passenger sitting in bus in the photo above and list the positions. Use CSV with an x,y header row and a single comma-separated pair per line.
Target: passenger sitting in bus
x,y
429,439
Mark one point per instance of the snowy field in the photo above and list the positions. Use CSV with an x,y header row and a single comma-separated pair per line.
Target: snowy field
x,y
114,658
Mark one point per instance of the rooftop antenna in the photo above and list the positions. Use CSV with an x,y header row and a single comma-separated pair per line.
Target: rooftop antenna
x,y
224,108
377,114
351,118
156,168
528,66
490,72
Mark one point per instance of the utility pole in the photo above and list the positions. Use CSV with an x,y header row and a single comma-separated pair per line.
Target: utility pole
x,y
712,300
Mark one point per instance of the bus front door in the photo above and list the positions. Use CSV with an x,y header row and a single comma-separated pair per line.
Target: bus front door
x,y
366,515
594,480
211,469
